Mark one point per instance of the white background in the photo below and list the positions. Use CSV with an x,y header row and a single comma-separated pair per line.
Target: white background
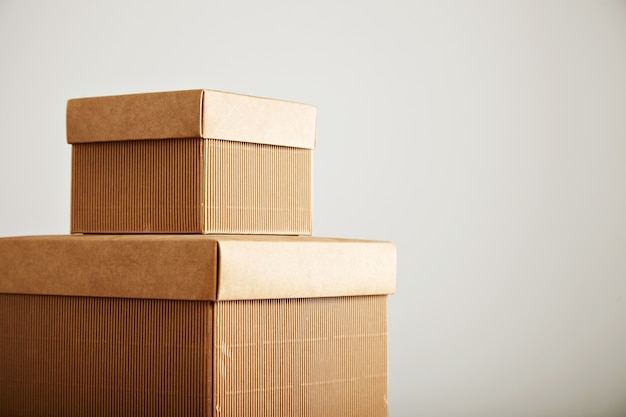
x,y
487,139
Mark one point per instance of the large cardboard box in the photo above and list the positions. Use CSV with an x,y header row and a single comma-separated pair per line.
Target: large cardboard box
x,y
198,161
194,325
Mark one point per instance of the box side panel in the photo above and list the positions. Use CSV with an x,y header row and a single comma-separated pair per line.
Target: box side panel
x,y
160,115
148,186
245,118
256,188
264,267
169,267
80,356
301,357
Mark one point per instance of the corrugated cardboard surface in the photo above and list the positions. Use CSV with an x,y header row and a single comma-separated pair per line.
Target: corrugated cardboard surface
x,y
191,114
254,188
138,186
303,357
158,325
84,356
196,267
190,186
79,356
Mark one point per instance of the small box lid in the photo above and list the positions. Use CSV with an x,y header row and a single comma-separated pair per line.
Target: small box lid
x,y
196,267
205,114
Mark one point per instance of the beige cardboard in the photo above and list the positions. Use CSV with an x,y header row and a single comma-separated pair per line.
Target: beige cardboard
x,y
302,357
109,266
304,267
196,267
261,120
197,161
100,357
205,114
129,325
190,186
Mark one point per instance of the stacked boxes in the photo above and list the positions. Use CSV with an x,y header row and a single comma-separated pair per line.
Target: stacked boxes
x,y
191,284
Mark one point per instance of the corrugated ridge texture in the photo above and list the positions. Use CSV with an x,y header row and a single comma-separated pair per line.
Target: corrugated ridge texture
x,y
148,186
301,357
80,356
191,186
257,188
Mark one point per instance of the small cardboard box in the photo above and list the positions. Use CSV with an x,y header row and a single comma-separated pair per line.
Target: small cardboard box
x,y
197,161
193,325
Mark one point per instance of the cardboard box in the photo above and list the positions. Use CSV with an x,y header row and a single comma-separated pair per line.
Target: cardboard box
x,y
196,161
193,325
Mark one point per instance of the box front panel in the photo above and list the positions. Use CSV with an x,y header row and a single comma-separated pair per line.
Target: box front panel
x,y
301,357
146,186
78,356
255,188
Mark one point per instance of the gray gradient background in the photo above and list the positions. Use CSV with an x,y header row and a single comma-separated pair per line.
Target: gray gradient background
x,y
486,139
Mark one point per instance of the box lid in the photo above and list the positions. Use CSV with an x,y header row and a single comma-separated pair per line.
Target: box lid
x,y
196,267
205,114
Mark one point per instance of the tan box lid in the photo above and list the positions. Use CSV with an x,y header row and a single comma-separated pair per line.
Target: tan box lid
x,y
196,267
205,114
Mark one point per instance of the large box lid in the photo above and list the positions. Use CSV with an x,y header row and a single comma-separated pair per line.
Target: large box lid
x,y
205,114
196,267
